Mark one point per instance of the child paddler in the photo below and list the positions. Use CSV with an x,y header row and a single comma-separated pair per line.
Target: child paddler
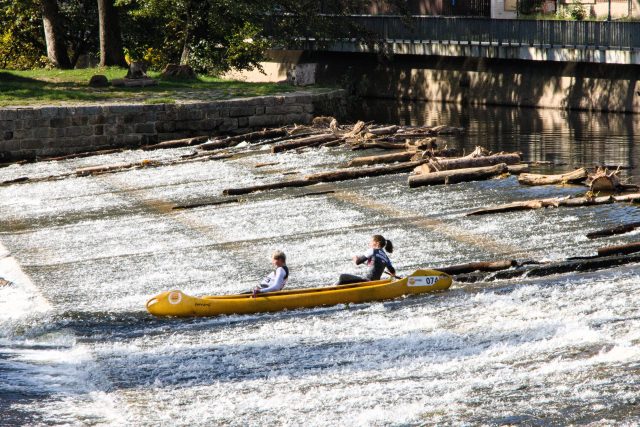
x,y
275,280
377,260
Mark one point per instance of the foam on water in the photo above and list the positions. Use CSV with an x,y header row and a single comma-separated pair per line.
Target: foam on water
x,y
78,347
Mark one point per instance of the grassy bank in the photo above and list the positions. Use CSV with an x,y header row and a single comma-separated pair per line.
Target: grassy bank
x,y
38,87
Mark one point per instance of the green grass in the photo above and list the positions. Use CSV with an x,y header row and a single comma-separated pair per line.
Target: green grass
x,y
36,87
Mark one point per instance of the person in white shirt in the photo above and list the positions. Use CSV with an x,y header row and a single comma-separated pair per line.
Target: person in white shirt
x,y
277,279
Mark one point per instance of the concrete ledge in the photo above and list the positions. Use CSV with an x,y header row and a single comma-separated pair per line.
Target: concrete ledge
x,y
30,132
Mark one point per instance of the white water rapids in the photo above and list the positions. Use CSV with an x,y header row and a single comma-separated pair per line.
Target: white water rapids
x,y
83,255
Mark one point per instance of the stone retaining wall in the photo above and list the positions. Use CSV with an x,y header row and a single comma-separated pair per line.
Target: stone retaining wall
x,y
29,132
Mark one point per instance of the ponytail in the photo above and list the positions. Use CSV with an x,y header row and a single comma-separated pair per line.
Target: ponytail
x,y
384,243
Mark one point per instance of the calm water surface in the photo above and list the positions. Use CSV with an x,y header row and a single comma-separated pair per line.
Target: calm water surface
x,y
84,254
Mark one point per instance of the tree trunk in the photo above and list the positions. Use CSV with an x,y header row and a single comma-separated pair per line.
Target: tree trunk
x,y
186,50
54,34
457,175
620,249
111,52
556,202
436,165
403,156
347,174
303,142
578,175
263,187
477,266
621,229
175,143
251,136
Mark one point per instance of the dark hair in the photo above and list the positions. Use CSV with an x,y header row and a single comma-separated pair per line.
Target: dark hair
x,y
386,244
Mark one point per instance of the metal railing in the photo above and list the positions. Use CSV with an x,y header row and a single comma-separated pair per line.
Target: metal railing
x,y
435,29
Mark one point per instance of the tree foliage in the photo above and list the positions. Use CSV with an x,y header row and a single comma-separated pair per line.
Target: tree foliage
x,y
211,35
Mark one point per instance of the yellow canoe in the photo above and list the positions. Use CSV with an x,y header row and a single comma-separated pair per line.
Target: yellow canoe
x,y
176,303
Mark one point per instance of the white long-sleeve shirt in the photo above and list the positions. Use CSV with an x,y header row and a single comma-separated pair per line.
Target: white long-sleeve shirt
x,y
274,281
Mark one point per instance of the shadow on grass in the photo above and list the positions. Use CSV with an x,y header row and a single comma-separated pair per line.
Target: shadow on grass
x,y
16,89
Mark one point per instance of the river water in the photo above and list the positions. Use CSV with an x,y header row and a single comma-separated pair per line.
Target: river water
x,y
83,255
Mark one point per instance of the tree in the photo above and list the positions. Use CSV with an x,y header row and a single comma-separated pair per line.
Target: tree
x,y
54,34
216,35
111,51
21,41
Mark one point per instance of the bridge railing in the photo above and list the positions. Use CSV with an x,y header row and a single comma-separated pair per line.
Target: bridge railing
x,y
418,29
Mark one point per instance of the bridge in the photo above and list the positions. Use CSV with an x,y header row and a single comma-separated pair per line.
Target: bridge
x,y
541,40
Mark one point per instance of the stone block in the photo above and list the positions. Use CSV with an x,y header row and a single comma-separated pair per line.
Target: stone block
x,y
189,113
33,144
228,125
257,121
60,122
145,128
74,132
98,140
162,127
132,118
78,120
8,114
7,125
298,118
243,121
242,111
41,132
260,110
10,146
7,135
97,119
25,113
212,114
56,132
48,112
98,130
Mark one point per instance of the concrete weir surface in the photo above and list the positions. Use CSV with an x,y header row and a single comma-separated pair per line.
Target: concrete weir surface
x,y
80,256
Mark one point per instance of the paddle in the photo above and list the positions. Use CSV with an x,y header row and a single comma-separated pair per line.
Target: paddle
x,y
393,275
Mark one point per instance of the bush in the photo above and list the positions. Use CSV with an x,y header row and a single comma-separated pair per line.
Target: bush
x,y
577,10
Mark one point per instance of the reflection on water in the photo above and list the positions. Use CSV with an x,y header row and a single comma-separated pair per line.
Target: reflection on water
x,y
577,138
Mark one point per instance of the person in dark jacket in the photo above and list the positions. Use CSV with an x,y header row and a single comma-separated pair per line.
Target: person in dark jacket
x,y
376,259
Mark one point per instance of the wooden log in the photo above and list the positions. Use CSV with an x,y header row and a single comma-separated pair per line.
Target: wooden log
x,y
518,169
578,175
556,202
272,186
176,143
469,162
261,165
212,203
560,267
308,141
386,130
82,154
619,249
315,193
249,137
381,145
346,174
457,175
478,266
402,156
93,170
620,229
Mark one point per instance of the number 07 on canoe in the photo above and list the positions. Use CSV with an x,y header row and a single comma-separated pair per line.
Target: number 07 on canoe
x,y
178,304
